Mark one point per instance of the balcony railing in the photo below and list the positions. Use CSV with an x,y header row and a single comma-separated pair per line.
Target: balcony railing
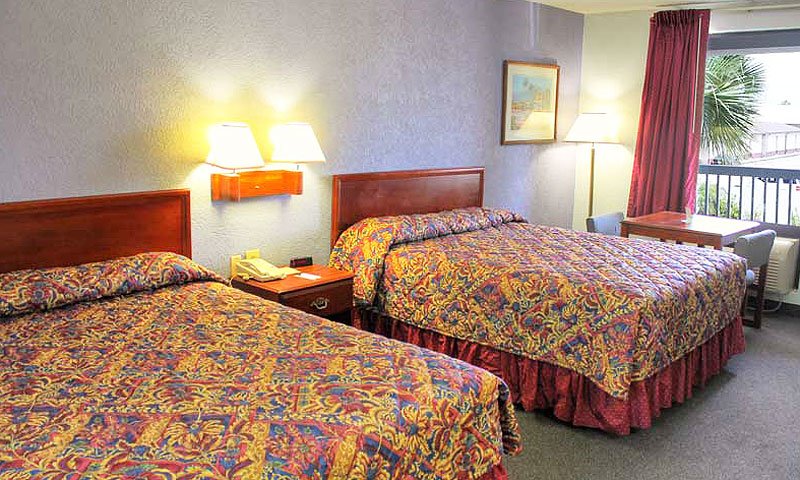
x,y
767,195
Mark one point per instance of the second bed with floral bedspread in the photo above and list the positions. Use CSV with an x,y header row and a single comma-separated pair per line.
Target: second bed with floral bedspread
x,y
614,310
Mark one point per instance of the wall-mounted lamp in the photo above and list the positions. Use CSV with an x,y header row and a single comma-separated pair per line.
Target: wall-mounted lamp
x,y
234,148
295,143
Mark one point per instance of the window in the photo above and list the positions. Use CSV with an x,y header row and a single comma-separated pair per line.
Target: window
x,y
750,156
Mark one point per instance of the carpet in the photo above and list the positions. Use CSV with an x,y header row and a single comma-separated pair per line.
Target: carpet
x,y
745,423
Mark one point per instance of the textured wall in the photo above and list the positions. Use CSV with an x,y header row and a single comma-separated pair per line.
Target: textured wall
x,y
115,96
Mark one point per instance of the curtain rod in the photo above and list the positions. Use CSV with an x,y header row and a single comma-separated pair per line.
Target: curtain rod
x,y
736,5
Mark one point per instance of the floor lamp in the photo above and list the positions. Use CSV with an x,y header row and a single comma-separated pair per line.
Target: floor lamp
x,y
593,128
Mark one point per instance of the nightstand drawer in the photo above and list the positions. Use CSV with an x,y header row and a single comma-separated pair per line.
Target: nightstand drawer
x,y
329,295
323,300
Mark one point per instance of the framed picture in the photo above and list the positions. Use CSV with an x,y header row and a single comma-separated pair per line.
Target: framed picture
x,y
530,103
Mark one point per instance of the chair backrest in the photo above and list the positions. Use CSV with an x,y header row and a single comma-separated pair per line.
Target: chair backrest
x,y
608,224
755,248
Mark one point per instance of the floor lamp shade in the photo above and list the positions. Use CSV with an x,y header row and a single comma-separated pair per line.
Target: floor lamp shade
x,y
593,128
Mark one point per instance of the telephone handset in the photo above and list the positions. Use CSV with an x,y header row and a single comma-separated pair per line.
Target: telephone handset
x,y
261,270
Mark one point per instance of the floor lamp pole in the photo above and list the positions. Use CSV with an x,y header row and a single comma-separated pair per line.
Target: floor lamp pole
x,y
591,183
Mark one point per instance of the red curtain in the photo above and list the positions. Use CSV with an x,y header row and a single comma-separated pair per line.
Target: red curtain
x,y
668,141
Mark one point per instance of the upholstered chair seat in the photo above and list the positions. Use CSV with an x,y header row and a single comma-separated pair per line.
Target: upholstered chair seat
x,y
608,224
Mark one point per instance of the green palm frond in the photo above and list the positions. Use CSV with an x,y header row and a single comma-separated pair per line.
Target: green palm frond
x,y
734,84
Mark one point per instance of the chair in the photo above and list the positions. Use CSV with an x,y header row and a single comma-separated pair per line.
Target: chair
x,y
608,224
755,248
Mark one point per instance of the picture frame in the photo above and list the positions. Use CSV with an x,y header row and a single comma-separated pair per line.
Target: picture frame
x,y
530,102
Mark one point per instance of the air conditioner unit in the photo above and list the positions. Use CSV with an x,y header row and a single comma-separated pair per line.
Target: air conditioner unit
x,y
782,271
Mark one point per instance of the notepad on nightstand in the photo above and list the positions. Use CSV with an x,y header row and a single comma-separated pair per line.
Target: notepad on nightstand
x,y
309,276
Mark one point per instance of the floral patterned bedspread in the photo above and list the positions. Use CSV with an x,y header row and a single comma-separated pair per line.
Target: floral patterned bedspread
x,y
614,310
184,377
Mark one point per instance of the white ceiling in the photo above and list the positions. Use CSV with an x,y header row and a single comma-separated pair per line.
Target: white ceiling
x,y
605,6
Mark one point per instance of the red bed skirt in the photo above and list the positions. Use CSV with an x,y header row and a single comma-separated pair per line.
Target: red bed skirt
x,y
497,473
570,396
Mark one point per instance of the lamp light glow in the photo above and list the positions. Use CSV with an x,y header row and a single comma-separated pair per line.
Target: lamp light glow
x,y
233,147
593,128
295,143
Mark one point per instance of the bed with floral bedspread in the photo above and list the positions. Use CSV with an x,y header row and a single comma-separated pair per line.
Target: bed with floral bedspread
x,y
614,311
152,367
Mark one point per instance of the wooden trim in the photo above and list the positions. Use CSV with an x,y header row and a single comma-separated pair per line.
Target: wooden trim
x,y
504,101
503,140
711,239
72,231
361,195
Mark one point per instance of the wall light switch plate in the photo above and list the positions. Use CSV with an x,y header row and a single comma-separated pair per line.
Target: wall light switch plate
x,y
254,253
234,261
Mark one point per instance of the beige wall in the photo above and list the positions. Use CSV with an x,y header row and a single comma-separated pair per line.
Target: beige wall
x,y
614,57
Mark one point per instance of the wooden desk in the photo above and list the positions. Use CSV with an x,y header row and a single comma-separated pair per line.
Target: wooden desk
x,y
702,230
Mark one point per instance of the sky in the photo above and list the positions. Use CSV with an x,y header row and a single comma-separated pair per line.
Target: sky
x,y
782,77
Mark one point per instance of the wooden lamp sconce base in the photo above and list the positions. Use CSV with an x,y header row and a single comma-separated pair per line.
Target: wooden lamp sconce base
x,y
257,183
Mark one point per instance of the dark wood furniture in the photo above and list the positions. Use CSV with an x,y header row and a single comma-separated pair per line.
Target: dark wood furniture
x,y
760,288
756,248
330,296
71,231
701,230
362,195
256,183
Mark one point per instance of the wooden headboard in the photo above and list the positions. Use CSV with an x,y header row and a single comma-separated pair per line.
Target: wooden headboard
x,y
71,231
360,195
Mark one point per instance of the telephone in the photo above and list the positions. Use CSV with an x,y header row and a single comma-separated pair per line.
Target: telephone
x,y
261,270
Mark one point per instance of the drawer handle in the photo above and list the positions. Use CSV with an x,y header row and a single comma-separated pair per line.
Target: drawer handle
x,y
320,303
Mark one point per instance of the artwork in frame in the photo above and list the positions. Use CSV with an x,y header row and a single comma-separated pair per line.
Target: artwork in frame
x,y
530,102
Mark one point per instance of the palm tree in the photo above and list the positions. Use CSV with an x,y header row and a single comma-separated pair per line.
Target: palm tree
x,y
734,84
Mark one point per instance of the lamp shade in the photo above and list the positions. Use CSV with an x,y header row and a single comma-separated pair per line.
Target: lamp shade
x,y
593,128
233,147
295,143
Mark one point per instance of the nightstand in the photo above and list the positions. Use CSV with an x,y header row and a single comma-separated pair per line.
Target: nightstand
x,y
330,296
